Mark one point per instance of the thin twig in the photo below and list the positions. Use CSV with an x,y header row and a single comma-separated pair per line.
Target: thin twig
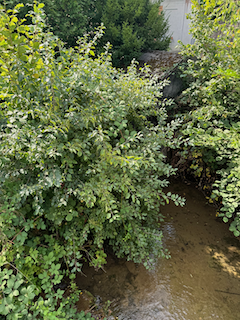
x,y
20,272
21,231
238,294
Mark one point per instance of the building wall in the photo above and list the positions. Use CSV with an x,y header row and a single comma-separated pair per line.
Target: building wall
x,y
176,11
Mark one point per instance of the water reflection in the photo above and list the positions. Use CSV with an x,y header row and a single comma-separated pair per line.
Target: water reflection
x,y
169,231
200,282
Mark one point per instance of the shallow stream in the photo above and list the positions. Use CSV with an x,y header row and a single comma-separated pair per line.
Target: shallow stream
x,y
201,281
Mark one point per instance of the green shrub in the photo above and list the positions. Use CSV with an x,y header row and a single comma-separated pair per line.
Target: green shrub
x,y
68,19
214,95
133,26
81,166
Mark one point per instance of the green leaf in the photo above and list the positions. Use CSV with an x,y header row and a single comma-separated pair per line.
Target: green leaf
x,y
15,293
69,217
236,233
10,282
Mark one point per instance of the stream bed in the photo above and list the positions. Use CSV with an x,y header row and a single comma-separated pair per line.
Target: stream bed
x,y
201,281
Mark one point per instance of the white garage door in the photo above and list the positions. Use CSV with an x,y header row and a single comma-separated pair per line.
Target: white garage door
x,y
176,11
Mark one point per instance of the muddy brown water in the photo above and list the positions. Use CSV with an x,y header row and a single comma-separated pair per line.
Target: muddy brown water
x,y
201,281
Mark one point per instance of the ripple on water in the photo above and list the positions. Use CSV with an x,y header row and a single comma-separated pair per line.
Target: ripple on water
x,y
200,282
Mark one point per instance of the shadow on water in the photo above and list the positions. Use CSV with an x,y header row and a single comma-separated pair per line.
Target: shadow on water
x,y
201,281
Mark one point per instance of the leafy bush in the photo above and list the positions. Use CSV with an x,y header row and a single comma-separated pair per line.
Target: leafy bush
x,y
68,19
133,26
214,96
81,166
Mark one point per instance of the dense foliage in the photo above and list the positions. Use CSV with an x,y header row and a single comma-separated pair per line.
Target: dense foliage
x,y
81,166
214,95
69,19
133,26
